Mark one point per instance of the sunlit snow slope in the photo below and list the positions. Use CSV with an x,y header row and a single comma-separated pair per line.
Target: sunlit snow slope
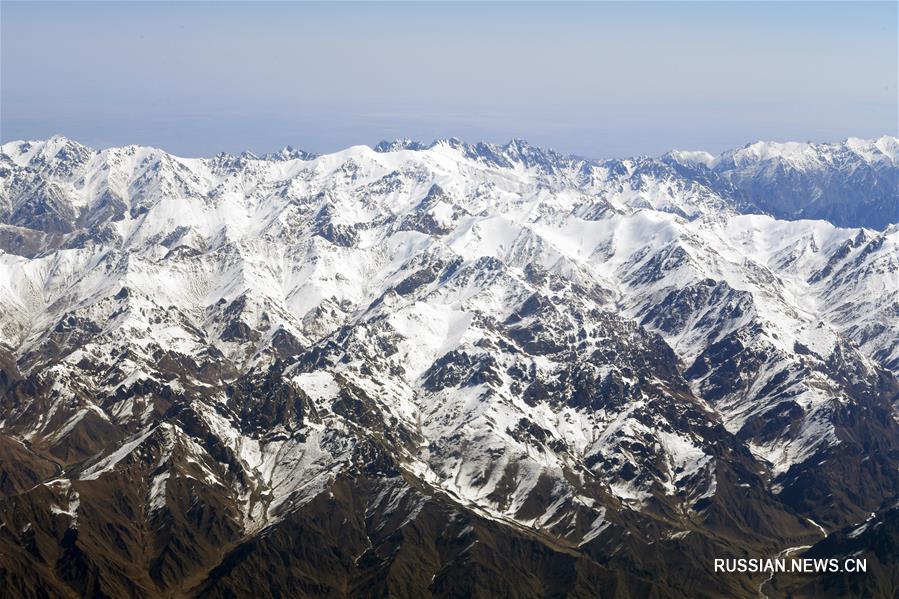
x,y
589,357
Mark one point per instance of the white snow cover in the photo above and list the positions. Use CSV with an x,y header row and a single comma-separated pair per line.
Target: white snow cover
x,y
345,242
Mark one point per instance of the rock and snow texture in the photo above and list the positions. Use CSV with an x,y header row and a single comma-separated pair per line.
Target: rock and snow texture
x,y
546,341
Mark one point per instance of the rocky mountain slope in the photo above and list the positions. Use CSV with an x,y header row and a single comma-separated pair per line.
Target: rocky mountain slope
x,y
849,184
444,369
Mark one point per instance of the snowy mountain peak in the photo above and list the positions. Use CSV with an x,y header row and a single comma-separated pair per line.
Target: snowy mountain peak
x,y
692,158
399,144
289,153
459,343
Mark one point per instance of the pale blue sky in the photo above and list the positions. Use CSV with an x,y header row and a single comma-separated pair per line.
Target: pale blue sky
x,y
595,79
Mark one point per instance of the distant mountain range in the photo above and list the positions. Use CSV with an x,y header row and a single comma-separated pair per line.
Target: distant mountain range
x,y
447,369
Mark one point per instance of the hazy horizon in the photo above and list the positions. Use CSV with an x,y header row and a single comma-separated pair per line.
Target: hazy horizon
x,y
373,144
596,80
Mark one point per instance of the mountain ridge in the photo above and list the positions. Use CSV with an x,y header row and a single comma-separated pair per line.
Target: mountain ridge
x,y
750,178
462,351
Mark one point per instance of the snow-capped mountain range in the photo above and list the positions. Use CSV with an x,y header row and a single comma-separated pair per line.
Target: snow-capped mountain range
x,y
450,369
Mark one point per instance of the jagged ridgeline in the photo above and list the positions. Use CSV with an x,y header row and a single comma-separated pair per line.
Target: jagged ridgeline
x,y
446,370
